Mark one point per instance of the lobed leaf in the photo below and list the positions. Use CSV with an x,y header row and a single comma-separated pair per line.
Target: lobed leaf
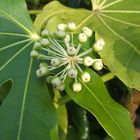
x,y
27,112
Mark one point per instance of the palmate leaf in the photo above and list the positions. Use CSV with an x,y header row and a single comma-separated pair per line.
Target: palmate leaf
x,y
119,23
95,98
27,112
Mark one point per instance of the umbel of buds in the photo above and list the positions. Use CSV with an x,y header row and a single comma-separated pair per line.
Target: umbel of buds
x,y
64,57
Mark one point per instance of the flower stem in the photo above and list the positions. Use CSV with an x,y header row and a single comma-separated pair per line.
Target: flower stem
x,y
64,100
34,12
107,77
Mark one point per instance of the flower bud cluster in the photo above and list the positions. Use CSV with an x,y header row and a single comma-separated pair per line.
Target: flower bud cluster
x,y
62,58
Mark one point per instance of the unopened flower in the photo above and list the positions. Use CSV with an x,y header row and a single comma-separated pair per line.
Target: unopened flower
x,y
99,45
98,65
77,87
85,77
87,31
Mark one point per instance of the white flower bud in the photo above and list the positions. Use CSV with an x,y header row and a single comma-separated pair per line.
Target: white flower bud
x,y
88,61
41,72
82,37
61,87
43,64
61,27
87,31
56,81
85,77
37,46
71,50
99,45
77,87
45,42
72,73
45,33
34,54
60,34
55,62
98,65
71,27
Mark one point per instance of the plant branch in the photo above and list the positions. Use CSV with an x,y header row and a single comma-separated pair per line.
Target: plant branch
x,y
34,12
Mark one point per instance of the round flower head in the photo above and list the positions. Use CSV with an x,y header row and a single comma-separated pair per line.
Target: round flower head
x,y
64,56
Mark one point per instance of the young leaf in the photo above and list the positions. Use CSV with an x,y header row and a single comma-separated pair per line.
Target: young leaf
x,y
27,112
112,116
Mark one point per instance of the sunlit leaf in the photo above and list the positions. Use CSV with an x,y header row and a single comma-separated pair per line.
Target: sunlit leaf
x,y
27,111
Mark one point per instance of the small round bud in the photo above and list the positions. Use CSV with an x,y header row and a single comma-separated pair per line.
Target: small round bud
x,y
37,46
71,51
82,37
71,27
43,64
88,61
34,54
55,62
45,33
61,87
99,45
49,79
41,72
98,65
77,87
56,81
61,27
41,57
72,73
60,34
87,31
85,77
45,42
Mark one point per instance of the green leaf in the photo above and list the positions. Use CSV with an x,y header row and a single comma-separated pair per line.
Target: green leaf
x,y
27,112
112,116
55,13
118,23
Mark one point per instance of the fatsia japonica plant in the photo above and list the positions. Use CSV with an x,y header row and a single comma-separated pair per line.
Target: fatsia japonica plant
x,y
57,57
